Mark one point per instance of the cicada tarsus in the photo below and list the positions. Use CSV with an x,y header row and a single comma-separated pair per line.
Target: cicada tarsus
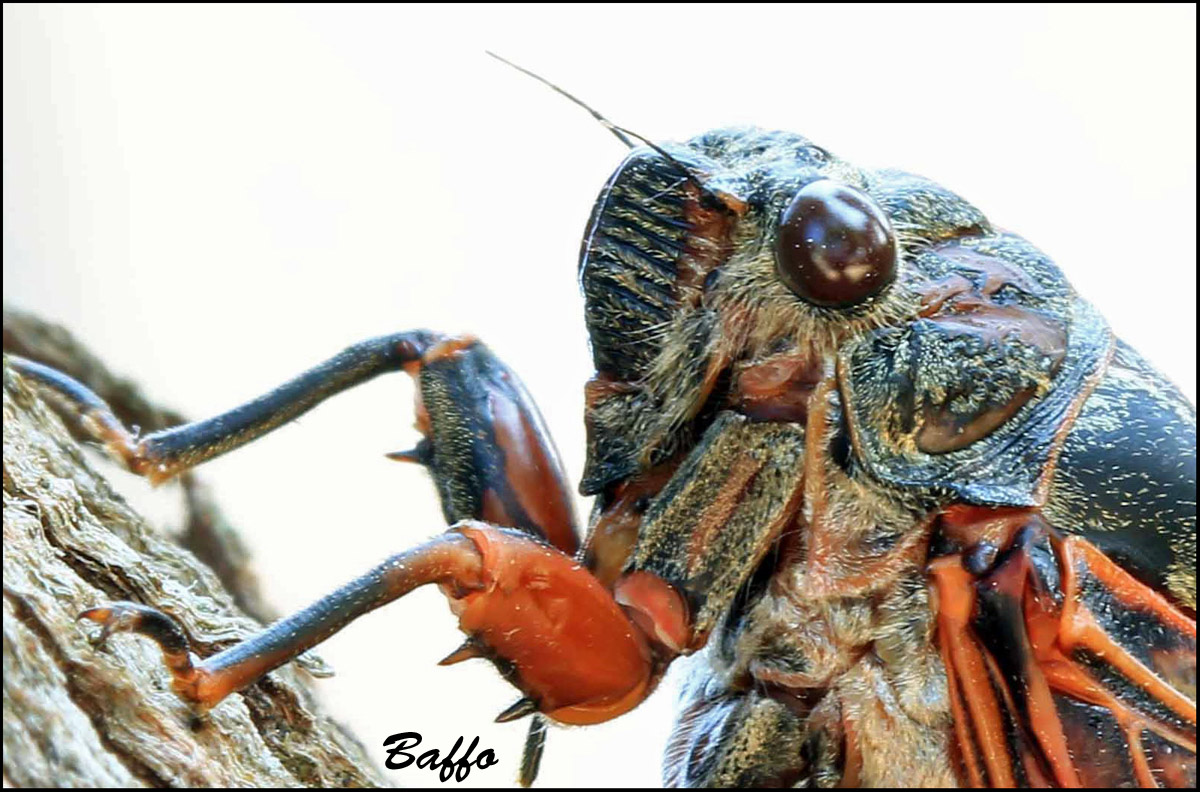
x,y
929,522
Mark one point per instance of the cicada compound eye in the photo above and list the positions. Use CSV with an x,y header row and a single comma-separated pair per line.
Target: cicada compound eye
x,y
835,246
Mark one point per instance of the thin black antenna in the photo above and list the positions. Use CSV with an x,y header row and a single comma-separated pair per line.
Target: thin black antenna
x,y
621,133
609,125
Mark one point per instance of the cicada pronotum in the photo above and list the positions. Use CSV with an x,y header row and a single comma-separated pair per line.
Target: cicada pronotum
x,y
929,522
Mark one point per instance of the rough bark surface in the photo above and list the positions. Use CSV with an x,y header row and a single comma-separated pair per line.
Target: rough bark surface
x,y
78,716
206,532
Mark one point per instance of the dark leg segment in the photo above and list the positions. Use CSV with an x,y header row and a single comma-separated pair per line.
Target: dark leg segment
x,y
161,455
485,443
450,558
531,756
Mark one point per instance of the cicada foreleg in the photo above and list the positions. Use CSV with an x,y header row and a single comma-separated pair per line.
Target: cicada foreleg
x,y
487,449
164,454
484,443
522,601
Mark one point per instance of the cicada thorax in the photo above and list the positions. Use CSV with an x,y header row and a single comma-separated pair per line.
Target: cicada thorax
x,y
748,326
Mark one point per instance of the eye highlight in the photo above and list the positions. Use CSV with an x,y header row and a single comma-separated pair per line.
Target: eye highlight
x,y
835,247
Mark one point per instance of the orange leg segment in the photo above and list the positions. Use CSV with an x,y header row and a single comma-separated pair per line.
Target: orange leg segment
x,y
966,669
561,637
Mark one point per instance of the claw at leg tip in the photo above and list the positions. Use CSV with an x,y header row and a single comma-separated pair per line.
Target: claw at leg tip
x,y
100,615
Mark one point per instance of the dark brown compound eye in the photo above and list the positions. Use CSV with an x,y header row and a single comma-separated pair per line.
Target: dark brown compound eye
x,y
835,246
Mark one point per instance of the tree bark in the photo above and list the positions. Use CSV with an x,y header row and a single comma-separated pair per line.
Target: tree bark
x,y
78,716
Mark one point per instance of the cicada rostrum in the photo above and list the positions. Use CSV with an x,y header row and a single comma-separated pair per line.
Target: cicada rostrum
x,y
928,521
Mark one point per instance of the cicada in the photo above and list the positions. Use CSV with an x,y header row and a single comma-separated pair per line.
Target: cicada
x,y
926,521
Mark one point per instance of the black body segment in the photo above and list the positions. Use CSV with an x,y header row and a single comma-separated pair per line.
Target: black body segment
x,y
978,380
1126,478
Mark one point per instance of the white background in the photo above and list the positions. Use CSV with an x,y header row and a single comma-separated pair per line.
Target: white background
x,y
216,198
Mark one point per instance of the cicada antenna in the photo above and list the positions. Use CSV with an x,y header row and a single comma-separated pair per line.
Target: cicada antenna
x,y
622,134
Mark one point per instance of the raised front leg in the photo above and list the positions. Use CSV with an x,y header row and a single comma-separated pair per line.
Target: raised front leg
x,y
485,442
166,453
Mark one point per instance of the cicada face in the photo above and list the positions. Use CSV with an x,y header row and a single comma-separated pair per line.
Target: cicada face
x,y
681,277
744,244
827,386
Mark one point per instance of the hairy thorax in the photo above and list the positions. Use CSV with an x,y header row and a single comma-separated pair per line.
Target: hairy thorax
x,y
831,654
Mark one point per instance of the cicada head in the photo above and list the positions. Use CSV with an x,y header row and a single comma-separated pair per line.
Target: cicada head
x,y
741,244
680,277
